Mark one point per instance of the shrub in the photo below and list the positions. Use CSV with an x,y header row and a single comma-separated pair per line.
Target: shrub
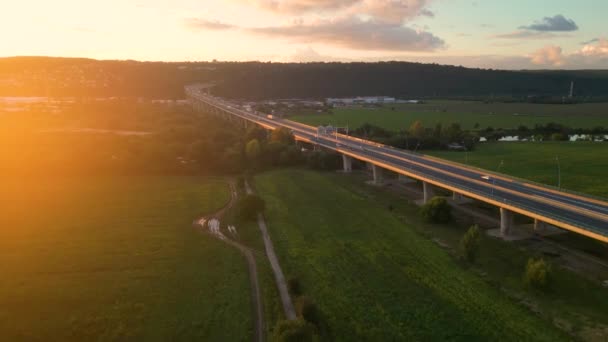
x,y
437,210
298,330
308,310
469,244
249,206
538,274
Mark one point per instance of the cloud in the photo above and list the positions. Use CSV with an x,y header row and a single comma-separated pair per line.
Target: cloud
x,y
300,6
549,55
355,33
393,11
525,34
599,49
594,56
376,25
557,23
594,40
203,24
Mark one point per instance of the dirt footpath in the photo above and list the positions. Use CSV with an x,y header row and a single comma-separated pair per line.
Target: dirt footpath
x,y
279,277
256,298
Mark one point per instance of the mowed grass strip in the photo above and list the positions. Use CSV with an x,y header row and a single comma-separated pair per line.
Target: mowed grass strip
x,y
583,164
375,278
466,113
117,259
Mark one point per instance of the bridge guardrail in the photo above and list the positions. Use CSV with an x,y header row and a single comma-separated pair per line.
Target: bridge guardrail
x,y
499,199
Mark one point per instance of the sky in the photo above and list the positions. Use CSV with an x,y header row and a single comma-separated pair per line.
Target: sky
x,y
514,34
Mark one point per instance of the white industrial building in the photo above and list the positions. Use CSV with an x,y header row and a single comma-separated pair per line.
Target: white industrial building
x,y
360,100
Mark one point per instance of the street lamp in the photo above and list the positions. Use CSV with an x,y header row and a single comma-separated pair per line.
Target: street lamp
x,y
559,173
494,178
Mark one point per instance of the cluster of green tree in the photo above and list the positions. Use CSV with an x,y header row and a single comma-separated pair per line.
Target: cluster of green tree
x,y
418,137
176,141
44,76
267,150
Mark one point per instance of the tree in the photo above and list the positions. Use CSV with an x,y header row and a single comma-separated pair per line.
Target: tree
x,y
256,132
453,133
308,310
282,135
538,274
469,244
297,331
252,150
559,137
417,129
437,210
249,206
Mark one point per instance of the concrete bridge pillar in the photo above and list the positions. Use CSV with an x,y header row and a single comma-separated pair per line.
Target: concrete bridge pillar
x,y
539,226
428,192
377,172
347,163
506,221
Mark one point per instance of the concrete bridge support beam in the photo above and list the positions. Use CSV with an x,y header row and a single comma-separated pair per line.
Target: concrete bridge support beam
x,y
405,179
428,192
506,221
377,172
347,163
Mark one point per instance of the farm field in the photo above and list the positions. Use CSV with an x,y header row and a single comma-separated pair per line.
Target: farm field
x,y
583,164
117,258
374,276
467,113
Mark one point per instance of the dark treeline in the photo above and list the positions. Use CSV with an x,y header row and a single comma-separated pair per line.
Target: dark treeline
x,y
417,137
43,76
400,79
438,137
80,77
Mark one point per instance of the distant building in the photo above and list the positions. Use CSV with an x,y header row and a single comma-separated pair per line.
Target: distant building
x,y
456,147
367,100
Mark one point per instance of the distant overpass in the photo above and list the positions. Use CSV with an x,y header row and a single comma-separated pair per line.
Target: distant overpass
x,y
547,206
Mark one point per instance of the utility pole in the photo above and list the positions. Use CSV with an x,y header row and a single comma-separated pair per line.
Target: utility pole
x,y
571,89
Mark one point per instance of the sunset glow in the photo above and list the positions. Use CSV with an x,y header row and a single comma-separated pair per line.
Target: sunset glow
x,y
471,33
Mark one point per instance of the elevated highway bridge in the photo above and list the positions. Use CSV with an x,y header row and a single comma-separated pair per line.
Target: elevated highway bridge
x,y
547,206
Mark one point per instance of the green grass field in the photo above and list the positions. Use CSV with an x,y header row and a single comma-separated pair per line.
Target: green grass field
x,y
583,164
467,113
117,259
373,276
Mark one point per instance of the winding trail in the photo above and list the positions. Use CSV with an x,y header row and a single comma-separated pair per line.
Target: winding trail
x,y
288,308
254,283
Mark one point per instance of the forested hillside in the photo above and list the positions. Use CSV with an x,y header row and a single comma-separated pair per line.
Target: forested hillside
x,y
44,76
